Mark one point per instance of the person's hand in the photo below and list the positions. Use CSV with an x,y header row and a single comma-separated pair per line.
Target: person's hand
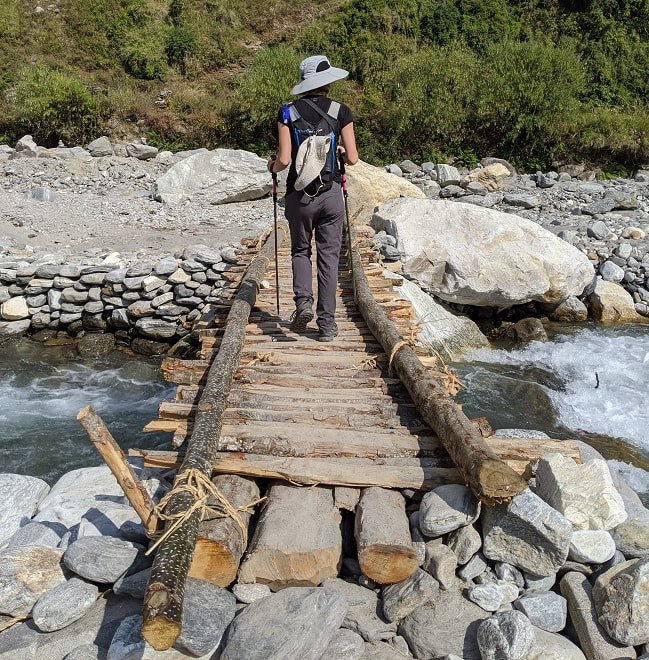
x,y
270,163
341,152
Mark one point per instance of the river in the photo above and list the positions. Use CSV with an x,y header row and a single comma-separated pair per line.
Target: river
x,y
588,382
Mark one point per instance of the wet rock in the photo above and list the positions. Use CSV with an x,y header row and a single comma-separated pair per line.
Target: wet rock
x,y
96,345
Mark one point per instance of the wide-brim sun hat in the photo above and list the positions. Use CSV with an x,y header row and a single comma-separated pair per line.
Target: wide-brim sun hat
x,y
315,72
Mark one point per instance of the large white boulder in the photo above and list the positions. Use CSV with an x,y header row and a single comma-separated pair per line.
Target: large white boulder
x,y
215,177
471,255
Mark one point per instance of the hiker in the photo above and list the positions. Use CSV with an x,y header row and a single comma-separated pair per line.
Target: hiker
x,y
313,132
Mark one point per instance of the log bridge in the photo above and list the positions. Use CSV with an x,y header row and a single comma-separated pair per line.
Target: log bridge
x,y
297,438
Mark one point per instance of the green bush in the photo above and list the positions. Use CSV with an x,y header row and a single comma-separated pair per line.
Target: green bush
x,y
440,22
526,96
55,105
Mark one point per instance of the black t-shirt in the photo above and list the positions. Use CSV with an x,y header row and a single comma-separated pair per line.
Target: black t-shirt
x,y
310,115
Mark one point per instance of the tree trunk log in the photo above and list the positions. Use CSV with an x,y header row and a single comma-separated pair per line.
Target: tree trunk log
x,y
488,477
385,550
297,542
220,543
114,457
162,610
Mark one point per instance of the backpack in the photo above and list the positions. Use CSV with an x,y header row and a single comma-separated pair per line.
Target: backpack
x,y
315,162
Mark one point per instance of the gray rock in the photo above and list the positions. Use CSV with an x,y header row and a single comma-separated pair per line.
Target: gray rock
x,y
611,272
487,596
363,612
345,645
141,151
25,642
621,597
100,147
505,636
293,623
402,598
591,546
598,230
446,624
593,640
127,642
451,190
521,200
132,585
603,205
11,329
632,536
38,534
509,573
249,593
464,542
550,646
393,168
441,562
546,610
26,573
207,611
584,493
64,604
473,567
19,499
539,582
165,267
527,533
96,345
156,328
447,508
447,175
87,652
102,559
41,194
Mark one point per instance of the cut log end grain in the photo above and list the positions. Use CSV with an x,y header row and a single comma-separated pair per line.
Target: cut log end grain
x,y
499,482
213,563
161,633
387,564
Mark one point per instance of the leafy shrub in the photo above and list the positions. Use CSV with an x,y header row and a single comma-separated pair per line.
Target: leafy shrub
x,y
440,22
527,94
143,56
54,105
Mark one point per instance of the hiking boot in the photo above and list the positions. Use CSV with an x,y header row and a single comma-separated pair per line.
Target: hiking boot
x,y
328,335
301,316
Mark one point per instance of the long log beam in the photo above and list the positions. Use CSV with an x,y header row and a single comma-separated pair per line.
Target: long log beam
x,y
489,478
162,609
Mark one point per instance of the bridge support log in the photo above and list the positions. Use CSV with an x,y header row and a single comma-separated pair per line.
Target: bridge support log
x,y
163,601
490,479
297,542
385,550
221,543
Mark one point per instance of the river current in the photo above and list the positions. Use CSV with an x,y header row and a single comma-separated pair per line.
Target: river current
x,y
588,382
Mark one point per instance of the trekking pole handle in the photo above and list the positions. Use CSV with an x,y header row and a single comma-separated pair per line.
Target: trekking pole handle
x,y
343,176
273,157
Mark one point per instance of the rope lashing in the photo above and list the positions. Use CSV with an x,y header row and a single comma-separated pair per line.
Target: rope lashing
x,y
367,363
411,341
196,484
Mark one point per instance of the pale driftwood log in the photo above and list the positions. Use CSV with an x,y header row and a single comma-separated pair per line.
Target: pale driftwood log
x,y
346,497
162,609
385,550
114,458
297,541
220,544
488,477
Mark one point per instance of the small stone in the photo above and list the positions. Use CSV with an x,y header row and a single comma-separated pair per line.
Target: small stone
x,y
64,604
402,598
591,546
487,596
505,635
464,542
249,593
546,610
441,562
447,508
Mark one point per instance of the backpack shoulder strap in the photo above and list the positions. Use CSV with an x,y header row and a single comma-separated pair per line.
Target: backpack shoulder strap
x,y
327,116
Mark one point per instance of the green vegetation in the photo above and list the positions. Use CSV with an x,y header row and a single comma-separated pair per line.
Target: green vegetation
x,y
531,81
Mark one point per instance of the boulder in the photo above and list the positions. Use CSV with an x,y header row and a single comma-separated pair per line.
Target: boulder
x,y
369,186
621,597
527,533
583,493
297,622
102,559
26,573
215,177
489,177
64,604
19,498
477,256
611,303
632,536
15,309
447,508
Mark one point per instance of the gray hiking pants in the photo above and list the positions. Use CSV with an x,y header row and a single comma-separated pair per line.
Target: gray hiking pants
x,y
323,215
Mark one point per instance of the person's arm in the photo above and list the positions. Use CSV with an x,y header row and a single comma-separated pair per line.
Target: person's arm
x,y
348,140
283,159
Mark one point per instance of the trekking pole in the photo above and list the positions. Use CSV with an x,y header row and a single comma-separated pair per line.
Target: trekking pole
x,y
343,181
275,225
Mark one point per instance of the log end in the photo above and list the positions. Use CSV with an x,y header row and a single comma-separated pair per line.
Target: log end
x,y
213,563
388,564
161,633
498,482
